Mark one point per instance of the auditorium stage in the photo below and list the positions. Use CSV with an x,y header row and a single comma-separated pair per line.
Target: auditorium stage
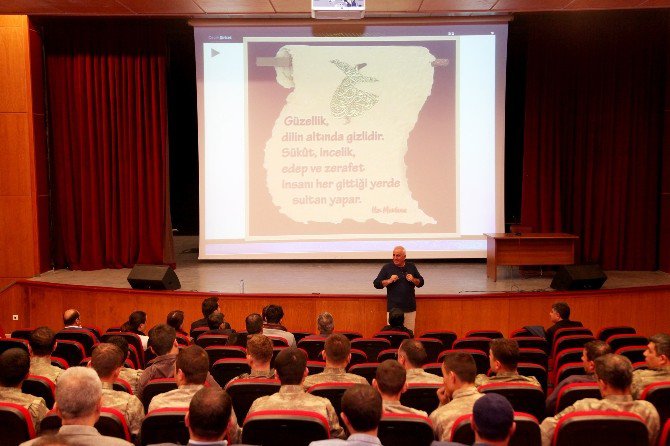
x,y
339,277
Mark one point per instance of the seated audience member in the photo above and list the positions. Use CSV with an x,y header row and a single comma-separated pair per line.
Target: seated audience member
x,y
325,324
337,353
14,368
191,372
131,376
137,323
493,420
208,417
458,395
52,440
162,341
254,324
291,366
390,382
209,306
107,361
412,355
78,403
71,319
615,375
504,359
259,355
657,357
397,322
273,327
592,350
42,343
217,325
266,323
361,413
175,319
560,316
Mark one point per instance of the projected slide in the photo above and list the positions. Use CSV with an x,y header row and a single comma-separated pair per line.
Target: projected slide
x,y
324,146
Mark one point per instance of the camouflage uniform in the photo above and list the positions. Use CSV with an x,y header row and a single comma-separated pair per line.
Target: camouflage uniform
x,y
421,376
505,377
34,404
444,416
131,376
293,397
333,374
163,367
397,407
41,365
620,403
642,378
129,405
181,397
260,374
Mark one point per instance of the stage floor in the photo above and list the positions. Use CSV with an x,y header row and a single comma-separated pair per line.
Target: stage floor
x,y
338,277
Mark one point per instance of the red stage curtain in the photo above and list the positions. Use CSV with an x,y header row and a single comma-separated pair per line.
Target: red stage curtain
x,y
593,131
109,148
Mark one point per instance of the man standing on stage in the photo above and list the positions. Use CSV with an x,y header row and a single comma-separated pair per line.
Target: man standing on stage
x,y
400,278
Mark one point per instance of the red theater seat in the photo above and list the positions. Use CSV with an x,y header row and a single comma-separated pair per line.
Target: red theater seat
x,y
658,394
447,337
40,386
244,392
394,337
224,370
155,387
601,428
490,334
421,396
571,393
164,425
405,429
16,425
371,346
524,397
605,332
284,427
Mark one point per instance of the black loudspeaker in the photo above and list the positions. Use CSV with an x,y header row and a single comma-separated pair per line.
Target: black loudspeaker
x,y
153,277
578,277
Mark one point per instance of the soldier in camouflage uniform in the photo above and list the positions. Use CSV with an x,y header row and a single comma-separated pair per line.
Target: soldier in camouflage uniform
x,y
14,368
504,358
131,376
412,355
458,395
337,351
657,357
259,355
615,375
42,344
291,368
107,361
390,381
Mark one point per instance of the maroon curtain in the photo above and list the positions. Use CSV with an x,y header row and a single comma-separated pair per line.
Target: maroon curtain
x,y
593,132
108,142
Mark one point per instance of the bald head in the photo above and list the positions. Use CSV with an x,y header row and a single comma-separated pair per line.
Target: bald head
x,y
71,317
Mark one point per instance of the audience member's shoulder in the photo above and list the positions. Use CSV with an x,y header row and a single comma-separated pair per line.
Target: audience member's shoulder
x,y
446,443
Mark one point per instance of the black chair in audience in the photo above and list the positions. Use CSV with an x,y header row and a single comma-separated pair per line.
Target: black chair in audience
x,y
490,334
111,423
605,332
569,369
473,343
533,342
275,352
154,387
313,345
371,346
432,346
447,337
626,340
524,397
20,333
600,428
422,396
569,355
165,425
278,341
357,357
71,351
218,352
59,362
351,335
571,331
367,370
40,386
122,385
481,359
405,429
7,343
209,340
284,427
434,367
134,345
298,335
226,369
536,370
535,356
520,332
664,437
244,392
658,394
571,393
197,332
570,341
634,353
85,337
333,392
16,425
394,337
315,367
391,353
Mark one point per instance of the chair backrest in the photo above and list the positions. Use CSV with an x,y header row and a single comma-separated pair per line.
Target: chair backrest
x,y
481,359
313,345
490,334
298,335
422,396
569,369
59,362
432,346
133,340
21,333
332,391
165,425
527,431
275,352
278,341
357,357
405,429
658,394
536,370
155,387
16,425
600,428
520,332
351,335
394,337
571,393
524,397
208,340
389,353
284,427
85,337
533,342
605,332
664,438
434,367
626,340
371,346
367,370
244,392
571,341
183,340
198,331
535,356
567,356
226,369
71,351
7,343
113,423
446,336
571,331
122,385
635,353
217,352
315,367
474,343
40,386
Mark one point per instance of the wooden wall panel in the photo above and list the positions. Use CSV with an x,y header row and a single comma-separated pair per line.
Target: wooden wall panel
x,y
14,156
443,313
16,236
14,301
13,67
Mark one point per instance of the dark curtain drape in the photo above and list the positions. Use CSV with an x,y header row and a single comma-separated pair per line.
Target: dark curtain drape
x,y
108,144
593,133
